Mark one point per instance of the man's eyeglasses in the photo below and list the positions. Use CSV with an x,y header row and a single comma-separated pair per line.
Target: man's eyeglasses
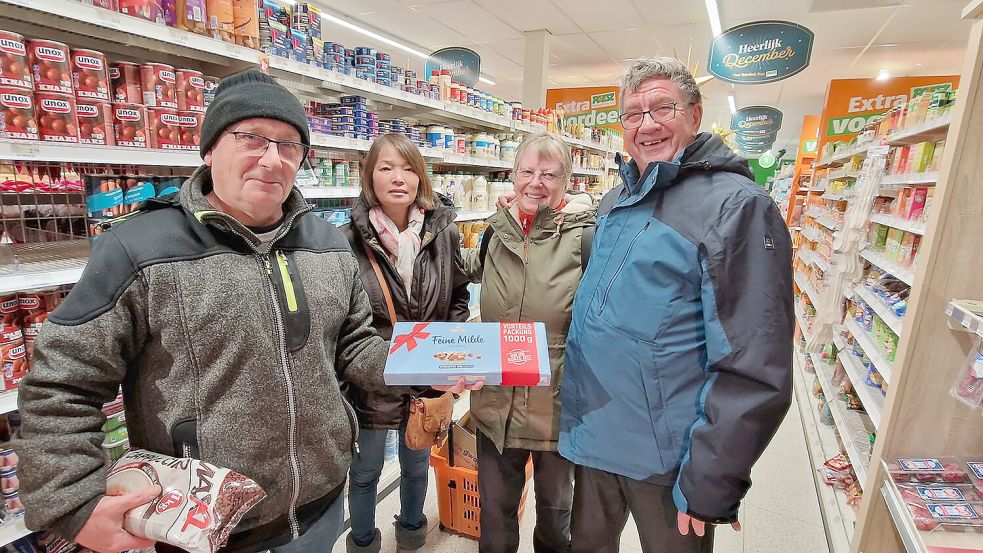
x,y
659,114
525,175
255,144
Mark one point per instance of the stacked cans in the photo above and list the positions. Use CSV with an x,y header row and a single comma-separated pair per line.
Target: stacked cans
x,y
365,63
21,317
334,57
9,483
358,117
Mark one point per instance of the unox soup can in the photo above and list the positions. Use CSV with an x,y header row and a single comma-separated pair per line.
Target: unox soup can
x,y
95,123
130,125
90,76
190,90
51,66
157,81
18,119
125,77
164,131
14,67
190,127
57,121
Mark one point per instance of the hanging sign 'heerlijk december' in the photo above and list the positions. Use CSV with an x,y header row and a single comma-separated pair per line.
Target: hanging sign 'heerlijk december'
x,y
464,64
760,52
756,120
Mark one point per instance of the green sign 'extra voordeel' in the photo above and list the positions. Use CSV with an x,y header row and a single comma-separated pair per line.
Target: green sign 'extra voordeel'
x,y
760,52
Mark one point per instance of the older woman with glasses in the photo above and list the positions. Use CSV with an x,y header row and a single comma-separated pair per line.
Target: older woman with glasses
x,y
529,265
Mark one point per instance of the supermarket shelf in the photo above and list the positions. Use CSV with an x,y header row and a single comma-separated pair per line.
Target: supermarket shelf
x,y
804,324
12,530
814,259
838,517
867,344
473,215
44,265
843,173
966,315
899,223
586,171
836,197
842,418
930,177
845,156
806,287
8,401
812,235
320,192
119,32
30,150
893,321
827,222
934,129
904,275
924,542
872,400
471,161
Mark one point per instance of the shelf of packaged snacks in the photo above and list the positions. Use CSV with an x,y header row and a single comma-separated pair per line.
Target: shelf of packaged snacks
x,y
806,286
867,344
812,235
131,32
906,276
882,310
916,541
825,221
330,142
32,150
587,171
8,401
914,227
836,197
838,517
843,173
966,315
933,129
930,177
44,265
321,192
473,216
812,258
872,399
13,529
845,420
846,155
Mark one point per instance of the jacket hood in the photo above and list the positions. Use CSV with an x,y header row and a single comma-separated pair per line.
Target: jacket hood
x,y
580,210
436,219
707,153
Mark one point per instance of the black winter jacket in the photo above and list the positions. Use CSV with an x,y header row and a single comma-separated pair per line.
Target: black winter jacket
x,y
440,293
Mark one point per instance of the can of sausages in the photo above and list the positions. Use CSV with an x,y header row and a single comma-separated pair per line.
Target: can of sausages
x,y
89,75
190,127
127,88
19,119
50,66
130,125
157,80
14,67
95,123
57,120
190,90
164,129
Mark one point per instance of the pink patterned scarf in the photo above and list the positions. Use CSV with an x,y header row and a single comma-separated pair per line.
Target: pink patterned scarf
x,y
403,247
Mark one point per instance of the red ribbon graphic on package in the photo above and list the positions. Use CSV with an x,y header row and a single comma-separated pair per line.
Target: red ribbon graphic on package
x,y
409,340
520,359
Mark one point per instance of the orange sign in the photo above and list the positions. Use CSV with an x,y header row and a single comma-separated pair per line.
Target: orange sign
x,y
593,106
851,103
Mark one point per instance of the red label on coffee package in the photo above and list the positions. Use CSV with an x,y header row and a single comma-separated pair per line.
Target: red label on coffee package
x,y
520,358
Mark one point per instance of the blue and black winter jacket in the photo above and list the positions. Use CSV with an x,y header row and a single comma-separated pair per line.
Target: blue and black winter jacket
x,y
679,356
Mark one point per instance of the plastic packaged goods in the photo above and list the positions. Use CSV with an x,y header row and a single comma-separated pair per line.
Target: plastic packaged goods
x,y
968,388
151,10
199,506
927,470
191,16
221,19
245,18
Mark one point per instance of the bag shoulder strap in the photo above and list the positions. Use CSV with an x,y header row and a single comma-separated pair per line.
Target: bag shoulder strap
x,y
483,246
382,282
586,240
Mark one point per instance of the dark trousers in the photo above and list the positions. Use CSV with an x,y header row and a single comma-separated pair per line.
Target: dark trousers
x,y
501,478
602,502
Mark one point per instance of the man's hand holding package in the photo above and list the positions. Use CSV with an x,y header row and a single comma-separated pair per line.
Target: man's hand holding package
x,y
104,532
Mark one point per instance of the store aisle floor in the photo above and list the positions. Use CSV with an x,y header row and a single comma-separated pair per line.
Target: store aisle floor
x,y
780,514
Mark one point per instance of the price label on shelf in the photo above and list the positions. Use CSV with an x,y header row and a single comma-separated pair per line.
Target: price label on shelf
x,y
27,151
109,19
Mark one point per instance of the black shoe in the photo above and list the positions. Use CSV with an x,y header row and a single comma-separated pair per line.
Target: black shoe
x,y
374,547
410,540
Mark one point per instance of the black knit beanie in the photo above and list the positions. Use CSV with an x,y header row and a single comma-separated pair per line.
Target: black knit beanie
x,y
249,94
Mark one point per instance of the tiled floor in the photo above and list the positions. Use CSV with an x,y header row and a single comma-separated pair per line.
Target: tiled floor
x,y
779,515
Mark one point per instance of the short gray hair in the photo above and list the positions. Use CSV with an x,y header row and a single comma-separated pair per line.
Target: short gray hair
x,y
546,145
661,68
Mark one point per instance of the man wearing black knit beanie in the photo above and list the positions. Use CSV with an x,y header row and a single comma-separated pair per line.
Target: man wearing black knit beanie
x,y
228,314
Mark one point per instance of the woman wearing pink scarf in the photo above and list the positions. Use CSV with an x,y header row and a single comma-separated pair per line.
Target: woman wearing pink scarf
x,y
410,234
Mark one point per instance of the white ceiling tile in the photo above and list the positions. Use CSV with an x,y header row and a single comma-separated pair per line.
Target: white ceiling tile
x,y
513,49
526,15
930,22
592,15
577,48
481,25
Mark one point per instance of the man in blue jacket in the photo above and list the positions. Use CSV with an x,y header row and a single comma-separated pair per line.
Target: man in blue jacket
x,y
678,364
